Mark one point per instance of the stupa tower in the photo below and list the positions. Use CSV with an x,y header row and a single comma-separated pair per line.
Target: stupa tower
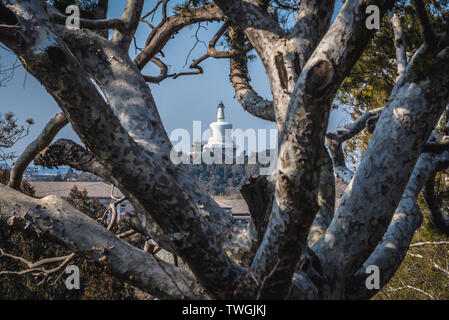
x,y
221,132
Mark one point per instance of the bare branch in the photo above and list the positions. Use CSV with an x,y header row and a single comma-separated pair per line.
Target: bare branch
x,y
118,24
390,289
162,33
162,76
45,138
212,52
247,96
399,42
428,33
113,207
432,243
336,139
37,268
131,17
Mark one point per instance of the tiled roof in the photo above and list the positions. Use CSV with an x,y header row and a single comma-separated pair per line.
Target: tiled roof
x,y
235,206
63,188
103,190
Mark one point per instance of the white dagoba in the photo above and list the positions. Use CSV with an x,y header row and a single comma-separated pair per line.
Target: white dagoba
x,y
221,132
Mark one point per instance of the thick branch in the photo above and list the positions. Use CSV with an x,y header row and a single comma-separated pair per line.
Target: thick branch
x,y
326,201
390,252
248,98
141,173
311,24
258,194
53,218
302,145
401,132
437,146
428,33
66,152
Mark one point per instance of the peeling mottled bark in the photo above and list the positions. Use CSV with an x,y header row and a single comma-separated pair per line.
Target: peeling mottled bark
x,y
301,148
390,252
53,218
326,202
248,98
399,43
402,129
305,66
119,147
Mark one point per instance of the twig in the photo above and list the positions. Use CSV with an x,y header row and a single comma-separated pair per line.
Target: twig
x,y
390,289
37,268
428,243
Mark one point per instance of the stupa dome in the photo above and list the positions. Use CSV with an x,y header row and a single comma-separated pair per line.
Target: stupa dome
x,y
221,132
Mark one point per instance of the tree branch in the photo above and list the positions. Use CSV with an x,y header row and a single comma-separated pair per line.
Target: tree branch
x,y
248,98
390,252
162,33
131,17
162,76
311,25
399,43
428,33
382,178
66,152
100,24
36,268
336,139
45,138
302,145
53,218
326,201
437,217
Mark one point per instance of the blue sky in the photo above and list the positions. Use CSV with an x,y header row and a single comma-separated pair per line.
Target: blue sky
x,y
180,101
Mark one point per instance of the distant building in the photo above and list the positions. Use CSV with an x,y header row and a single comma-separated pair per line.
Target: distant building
x,y
221,141
102,191
95,190
237,207
31,171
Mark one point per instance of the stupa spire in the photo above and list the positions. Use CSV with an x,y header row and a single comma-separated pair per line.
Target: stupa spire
x,y
220,113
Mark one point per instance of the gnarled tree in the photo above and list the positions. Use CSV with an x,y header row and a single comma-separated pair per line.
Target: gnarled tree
x,y
106,98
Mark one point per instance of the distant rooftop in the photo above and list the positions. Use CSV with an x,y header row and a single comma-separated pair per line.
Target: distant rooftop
x,y
62,189
237,207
